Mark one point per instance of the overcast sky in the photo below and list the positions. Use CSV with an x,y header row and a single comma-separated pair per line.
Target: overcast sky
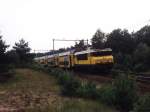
x,y
38,21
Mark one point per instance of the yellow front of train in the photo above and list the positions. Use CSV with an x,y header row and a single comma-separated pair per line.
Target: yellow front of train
x,y
102,58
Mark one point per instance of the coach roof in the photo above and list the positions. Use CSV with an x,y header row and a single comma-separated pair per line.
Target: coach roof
x,y
93,50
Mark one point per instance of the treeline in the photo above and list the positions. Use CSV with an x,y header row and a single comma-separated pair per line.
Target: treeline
x,y
18,56
131,51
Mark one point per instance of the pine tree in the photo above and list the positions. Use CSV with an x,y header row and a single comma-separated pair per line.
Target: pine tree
x,y
3,57
23,51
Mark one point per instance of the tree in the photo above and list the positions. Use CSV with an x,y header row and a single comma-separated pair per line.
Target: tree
x,y
62,50
80,46
23,51
143,35
3,57
141,57
98,40
13,57
120,41
125,92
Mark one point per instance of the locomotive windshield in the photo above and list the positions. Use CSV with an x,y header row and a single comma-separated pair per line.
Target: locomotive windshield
x,y
82,57
101,53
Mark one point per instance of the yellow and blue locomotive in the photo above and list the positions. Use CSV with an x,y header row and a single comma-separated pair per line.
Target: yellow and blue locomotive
x,y
93,58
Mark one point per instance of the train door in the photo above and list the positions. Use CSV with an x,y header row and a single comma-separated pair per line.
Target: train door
x,y
72,60
66,61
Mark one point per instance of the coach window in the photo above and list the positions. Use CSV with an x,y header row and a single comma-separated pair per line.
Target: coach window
x,y
103,53
82,57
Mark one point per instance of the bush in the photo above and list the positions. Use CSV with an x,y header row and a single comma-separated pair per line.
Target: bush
x,y
141,57
56,71
123,61
4,77
125,92
70,85
36,66
88,90
122,94
143,104
107,95
64,77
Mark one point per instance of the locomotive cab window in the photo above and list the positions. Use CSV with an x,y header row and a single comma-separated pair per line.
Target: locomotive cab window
x,y
103,53
82,57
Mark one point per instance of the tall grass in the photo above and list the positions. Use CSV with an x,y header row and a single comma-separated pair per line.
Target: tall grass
x,y
122,93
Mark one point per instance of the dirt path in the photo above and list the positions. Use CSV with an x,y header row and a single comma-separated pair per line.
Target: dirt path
x,y
28,89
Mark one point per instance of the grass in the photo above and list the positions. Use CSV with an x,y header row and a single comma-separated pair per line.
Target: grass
x,y
34,91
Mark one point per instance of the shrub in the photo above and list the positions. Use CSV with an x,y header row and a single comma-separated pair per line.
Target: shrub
x,y
70,86
122,94
125,92
141,57
56,71
123,61
4,77
88,90
107,95
37,66
64,77
143,104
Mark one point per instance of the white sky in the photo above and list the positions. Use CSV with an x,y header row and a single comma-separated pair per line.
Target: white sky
x,y
38,21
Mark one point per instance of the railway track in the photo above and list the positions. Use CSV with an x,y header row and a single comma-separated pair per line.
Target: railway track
x,y
96,78
143,80
140,77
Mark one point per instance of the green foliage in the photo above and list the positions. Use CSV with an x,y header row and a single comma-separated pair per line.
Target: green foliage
x,y
23,51
143,35
123,62
13,57
131,50
3,57
120,41
141,57
143,104
122,94
5,67
125,92
64,77
3,46
37,66
70,86
107,95
80,46
56,71
119,60
87,90
98,40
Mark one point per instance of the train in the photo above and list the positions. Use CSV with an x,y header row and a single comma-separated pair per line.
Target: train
x,y
89,58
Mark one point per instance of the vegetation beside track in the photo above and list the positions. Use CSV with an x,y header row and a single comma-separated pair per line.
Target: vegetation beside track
x,y
121,94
